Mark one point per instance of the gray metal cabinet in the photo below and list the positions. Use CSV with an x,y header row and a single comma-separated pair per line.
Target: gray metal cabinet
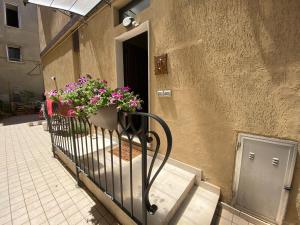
x,y
263,175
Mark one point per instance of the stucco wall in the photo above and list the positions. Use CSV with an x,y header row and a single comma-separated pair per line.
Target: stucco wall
x,y
233,66
60,64
51,21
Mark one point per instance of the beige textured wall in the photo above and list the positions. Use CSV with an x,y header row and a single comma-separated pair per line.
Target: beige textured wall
x,y
97,55
59,63
51,21
233,66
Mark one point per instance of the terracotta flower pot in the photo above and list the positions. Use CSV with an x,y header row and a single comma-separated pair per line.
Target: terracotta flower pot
x,y
106,117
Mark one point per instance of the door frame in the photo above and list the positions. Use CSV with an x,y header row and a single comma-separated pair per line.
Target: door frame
x,y
144,27
288,175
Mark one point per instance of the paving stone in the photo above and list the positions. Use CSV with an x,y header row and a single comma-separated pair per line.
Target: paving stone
x,y
18,213
53,212
36,212
21,220
75,219
17,206
5,211
41,219
5,219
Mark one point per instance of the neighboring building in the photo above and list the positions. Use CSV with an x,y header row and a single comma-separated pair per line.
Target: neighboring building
x,y
20,66
233,66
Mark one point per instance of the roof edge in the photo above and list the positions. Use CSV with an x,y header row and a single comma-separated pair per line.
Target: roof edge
x,y
71,26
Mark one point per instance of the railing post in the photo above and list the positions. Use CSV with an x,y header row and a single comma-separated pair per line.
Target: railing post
x,y
49,124
144,169
51,135
75,152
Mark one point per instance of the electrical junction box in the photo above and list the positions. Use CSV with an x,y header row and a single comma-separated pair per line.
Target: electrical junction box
x,y
164,93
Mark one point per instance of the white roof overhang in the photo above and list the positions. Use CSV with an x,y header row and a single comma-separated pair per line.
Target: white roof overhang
x,y
81,7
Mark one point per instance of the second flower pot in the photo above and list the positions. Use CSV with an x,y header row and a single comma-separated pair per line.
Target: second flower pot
x,y
106,117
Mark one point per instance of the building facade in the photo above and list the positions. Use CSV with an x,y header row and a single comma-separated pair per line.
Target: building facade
x,y
20,65
232,67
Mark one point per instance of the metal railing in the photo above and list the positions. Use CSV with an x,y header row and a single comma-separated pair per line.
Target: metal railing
x,y
123,163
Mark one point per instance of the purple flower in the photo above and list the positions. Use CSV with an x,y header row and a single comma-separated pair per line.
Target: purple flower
x,y
82,80
117,95
125,89
70,87
52,93
95,99
68,90
102,91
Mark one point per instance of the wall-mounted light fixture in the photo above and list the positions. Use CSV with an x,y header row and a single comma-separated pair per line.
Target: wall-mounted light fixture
x,y
128,21
55,83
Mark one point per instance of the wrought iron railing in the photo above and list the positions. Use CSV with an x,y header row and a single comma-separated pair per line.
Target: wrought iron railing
x,y
123,163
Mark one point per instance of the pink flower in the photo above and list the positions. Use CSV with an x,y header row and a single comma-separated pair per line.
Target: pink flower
x,y
71,112
80,107
52,93
134,103
125,89
95,99
117,95
102,91
112,101
69,102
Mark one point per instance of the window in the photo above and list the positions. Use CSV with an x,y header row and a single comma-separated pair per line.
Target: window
x,y
12,15
14,54
132,9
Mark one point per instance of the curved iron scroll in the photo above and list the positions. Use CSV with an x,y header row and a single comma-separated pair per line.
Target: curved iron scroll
x,y
144,136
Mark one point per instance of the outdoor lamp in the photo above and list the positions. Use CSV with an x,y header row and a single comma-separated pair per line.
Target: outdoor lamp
x,y
54,79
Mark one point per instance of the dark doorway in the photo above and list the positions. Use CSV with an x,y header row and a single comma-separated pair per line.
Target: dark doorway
x,y
135,58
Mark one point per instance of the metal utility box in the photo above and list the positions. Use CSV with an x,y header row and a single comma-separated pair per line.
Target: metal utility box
x,y
263,176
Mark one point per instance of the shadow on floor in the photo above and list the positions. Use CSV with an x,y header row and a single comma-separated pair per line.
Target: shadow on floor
x,y
99,215
19,119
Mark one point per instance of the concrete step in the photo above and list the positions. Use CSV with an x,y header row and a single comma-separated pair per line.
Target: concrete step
x,y
199,206
169,190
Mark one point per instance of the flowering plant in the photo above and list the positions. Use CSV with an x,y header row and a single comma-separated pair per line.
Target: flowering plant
x,y
54,95
87,96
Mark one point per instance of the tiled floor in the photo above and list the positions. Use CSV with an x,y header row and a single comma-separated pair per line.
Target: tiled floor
x,y
34,187
226,215
227,218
